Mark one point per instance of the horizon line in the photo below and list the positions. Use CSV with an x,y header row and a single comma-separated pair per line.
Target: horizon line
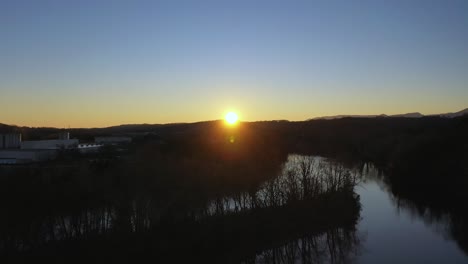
x,y
245,121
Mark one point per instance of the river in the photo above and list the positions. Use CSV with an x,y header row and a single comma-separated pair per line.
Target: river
x,y
349,215
390,230
393,233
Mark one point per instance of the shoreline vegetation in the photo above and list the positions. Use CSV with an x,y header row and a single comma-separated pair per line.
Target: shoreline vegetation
x,y
238,190
177,202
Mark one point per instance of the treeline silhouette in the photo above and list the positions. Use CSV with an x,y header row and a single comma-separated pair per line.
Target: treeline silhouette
x,y
446,214
397,144
175,177
219,196
334,246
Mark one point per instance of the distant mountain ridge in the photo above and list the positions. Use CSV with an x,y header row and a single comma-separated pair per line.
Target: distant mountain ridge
x,y
456,114
407,115
125,128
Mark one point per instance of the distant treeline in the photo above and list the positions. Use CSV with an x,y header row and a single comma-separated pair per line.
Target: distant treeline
x,y
197,194
435,147
381,140
402,146
174,177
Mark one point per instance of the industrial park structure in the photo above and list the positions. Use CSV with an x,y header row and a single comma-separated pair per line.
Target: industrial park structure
x,y
15,151
10,141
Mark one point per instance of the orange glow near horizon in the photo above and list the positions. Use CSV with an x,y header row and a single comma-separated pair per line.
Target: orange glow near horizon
x,y
231,118
99,112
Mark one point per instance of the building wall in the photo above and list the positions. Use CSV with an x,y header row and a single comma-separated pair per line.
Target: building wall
x,y
50,144
10,141
25,156
89,147
64,135
44,155
110,140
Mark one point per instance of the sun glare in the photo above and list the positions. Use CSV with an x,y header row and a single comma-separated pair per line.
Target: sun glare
x,y
231,118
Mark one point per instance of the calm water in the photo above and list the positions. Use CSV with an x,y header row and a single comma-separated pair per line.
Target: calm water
x,y
389,231
394,234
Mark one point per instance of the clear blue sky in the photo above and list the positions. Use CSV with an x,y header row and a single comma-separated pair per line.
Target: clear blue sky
x,y
99,63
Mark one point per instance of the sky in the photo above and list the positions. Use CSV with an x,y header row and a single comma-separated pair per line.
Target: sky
x,y
101,63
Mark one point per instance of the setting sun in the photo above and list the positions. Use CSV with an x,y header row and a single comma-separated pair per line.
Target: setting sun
x,y
231,118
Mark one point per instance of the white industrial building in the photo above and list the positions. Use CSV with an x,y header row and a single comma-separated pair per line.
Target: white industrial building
x,y
10,141
50,144
14,151
112,140
64,142
18,156
88,147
